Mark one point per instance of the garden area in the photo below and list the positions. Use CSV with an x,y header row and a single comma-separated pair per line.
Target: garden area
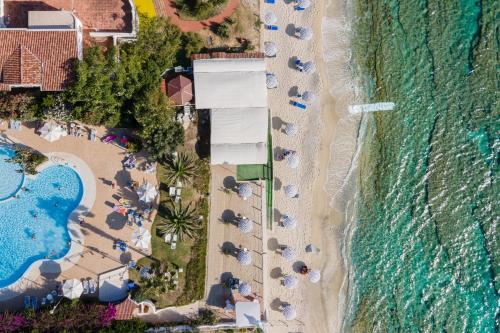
x,y
197,10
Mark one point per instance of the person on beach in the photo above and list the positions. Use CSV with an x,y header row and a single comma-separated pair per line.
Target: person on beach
x,y
113,185
33,236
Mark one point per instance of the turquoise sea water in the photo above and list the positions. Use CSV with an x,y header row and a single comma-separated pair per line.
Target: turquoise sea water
x,y
425,250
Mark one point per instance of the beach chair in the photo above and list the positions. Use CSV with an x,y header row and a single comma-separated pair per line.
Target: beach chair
x,y
168,238
178,192
270,1
43,302
27,302
272,27
34,302
85,287
171,191
92,286
299,8
173,246
298,105
108,138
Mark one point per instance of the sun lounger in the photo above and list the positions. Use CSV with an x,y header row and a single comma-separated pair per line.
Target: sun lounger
x,y
109,138
43,302
173,246
171,191
85,287
168,238
34,302
272,27
92,286
178,192
299,105
177,199
299,8
269,1
27,302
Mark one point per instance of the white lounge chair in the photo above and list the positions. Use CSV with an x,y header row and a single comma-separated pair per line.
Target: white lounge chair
x,y
171,191
92,286
86,288
168,238
173,246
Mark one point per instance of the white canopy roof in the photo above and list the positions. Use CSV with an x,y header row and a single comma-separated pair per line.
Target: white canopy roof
x,y
237,154
241,125
247,314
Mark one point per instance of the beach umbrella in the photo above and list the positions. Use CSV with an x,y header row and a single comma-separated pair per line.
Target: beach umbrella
x,y
293,161
270,18
290,282
314,275
304,33
291,129
289,312
52,132
308,96
311,248
271,81
147,192
245,225
245,191
289,222
270,49
303,3
309,67
245,289
244,257
72,288
289,253
291,190
141,238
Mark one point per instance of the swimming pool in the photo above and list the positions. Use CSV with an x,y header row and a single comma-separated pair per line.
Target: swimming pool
x,y
10,179
34,224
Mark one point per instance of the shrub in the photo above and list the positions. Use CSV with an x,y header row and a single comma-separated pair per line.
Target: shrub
x,y
18,106
223,30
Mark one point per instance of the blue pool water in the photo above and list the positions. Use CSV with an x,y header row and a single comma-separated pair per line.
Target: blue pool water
x,y
41,208
11,178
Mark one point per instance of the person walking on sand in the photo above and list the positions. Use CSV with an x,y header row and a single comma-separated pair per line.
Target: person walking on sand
x,y
113,185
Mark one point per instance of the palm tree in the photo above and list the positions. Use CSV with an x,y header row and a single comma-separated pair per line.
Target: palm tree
x,y
179,220
180,168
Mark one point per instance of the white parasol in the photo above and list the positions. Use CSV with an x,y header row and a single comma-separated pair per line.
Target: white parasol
x,y
271,81
303,3
314,275
52,132
291,129
245,257
293,161
308,96
270,18
147,192
72,288
289,312
245,289
304,33
141,238
309,67
245,225
245,191
289,254
289,222
290,282
291,190
270,49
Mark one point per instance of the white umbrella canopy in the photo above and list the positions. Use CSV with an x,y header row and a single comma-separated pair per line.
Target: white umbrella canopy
x,y
304,3
270,49
147,192
291,190
72,289
308,96
314,275
289,253
290,282
289,222
245,289
293,161
245,191
141,238
245,225
289,312
309,67
271,81
270,18
52,132
244,258
291,129
304,33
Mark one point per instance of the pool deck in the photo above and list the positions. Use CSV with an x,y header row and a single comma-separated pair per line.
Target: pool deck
x,y
91,252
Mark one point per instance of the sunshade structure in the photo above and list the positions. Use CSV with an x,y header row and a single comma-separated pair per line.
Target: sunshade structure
x,y
245,225
309,67
293,161
308,96
289,312
304,33
270,49
291,190
289,222
245,191
147,192
303,4
314,275
291,129
180,90
141,238
270,18
248,314
271,81
289,253
72,289
290,282
233,87
245,289
244,257
52,132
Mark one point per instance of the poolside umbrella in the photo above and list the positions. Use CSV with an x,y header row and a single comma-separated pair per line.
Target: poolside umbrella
x,y
270,18
245,225
245,289
309,67
289,222
308,96
245,191
141,238
147,192
271,81
289,254
304,33
72,288
303,4
293,161
291,190
291,129
290,282
52,132
270,49
245,257
289,312
314,275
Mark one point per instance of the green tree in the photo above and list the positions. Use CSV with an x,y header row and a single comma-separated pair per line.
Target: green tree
x,y
223,30
17,106
181,168
179,220
192,43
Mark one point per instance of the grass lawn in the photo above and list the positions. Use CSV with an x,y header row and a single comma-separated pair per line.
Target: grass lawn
x,y
250,172
145,7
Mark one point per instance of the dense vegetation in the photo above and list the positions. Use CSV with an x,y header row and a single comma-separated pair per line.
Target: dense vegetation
x,y
199,9
28,158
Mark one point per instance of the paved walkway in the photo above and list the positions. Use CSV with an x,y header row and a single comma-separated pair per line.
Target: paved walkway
x,y
167,8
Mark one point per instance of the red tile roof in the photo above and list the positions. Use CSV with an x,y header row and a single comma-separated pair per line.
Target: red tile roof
x,y
125,310
219,55
180,90
37,57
